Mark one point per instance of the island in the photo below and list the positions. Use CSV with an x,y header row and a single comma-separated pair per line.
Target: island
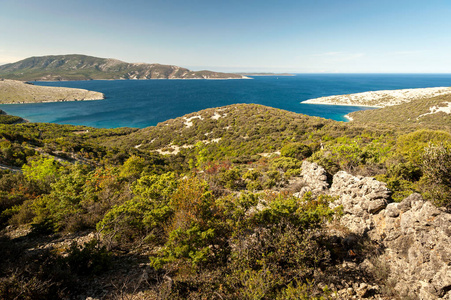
x,y
83,67
15,92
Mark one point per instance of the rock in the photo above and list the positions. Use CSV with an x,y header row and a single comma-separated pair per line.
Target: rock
x,y
420,257
314,178
360,197
392,210
405,204
415,236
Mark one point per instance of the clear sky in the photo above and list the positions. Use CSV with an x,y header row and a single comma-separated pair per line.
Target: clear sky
x,y
303,36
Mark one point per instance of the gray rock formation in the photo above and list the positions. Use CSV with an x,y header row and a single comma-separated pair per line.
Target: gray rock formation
x,y
360,198
314,178
415,235
417,238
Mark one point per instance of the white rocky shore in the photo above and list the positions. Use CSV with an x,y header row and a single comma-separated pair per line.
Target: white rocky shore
x,y
381,98
17,92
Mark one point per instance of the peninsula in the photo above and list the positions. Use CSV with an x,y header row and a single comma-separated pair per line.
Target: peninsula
x,y
82,67
382,98
14,92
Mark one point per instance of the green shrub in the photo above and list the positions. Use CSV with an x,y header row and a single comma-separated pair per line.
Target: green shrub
x,y
412,145
144,216
436,166
296,150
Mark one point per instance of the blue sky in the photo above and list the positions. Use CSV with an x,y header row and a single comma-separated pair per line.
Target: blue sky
x,y
345,36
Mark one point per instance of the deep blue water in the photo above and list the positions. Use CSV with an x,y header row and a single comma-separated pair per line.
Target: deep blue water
x,y
142,103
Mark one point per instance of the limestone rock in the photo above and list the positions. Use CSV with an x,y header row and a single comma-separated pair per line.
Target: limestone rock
x,y
360,197
315,179
415,235
417,239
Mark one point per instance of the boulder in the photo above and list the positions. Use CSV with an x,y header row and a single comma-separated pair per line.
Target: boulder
x,y
417,239
415,235
314,178
360,198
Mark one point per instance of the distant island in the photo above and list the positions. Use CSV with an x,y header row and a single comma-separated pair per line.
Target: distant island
x,y
14,92
266,74
382,98
82,67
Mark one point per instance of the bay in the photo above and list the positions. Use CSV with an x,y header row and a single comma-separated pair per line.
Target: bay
x,y
143,103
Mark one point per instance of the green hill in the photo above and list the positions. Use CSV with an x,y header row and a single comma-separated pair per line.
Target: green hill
x,y
82,67
211,205
429,112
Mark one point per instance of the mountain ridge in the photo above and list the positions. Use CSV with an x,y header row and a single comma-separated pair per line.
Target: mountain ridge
x,y
84,67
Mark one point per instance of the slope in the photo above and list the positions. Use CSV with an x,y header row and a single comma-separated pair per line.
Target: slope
x,y
82,67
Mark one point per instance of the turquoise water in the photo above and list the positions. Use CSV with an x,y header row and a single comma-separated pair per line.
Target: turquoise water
x,y
133,103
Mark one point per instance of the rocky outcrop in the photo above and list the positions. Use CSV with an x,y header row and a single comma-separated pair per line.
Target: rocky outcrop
x,y
360,197
414,234
314,179
417,239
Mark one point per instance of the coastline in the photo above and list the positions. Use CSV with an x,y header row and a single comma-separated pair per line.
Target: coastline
x,y
350,119
123,79
382,98
51,101
19,92
312,101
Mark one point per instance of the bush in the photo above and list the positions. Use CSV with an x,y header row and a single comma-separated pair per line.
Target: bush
x,y
436,166
144,216
296,150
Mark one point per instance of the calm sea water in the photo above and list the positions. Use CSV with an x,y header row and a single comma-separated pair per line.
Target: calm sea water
x,y
133,103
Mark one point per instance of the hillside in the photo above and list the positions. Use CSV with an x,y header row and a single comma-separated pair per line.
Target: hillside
x,y
8,119
82,67
239,129
433,111
13,91
237,202
382,98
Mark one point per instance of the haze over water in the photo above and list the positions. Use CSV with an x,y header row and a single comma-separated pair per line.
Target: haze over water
x,y
143,103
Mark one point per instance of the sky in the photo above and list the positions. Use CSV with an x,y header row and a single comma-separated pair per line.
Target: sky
x,y
298,36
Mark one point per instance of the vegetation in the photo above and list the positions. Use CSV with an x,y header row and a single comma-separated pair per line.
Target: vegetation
x,y
216,219
7,119
408,114
82,67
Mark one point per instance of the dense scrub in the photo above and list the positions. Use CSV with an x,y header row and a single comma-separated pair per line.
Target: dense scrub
x,y
216,220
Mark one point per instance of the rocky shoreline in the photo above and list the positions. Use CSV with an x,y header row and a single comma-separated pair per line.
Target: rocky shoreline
x,y
379,99
18,92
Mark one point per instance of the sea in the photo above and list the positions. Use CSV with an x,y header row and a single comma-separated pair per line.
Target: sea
x,y
143,103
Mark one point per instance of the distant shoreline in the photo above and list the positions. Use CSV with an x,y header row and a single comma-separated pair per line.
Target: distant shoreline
x,y
51,101
133,79
266,74
382,98
312,101
19,92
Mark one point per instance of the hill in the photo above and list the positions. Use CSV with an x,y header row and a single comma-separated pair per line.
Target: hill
x,y
13,91
82,67
8,119
235,202
382,98
428,112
